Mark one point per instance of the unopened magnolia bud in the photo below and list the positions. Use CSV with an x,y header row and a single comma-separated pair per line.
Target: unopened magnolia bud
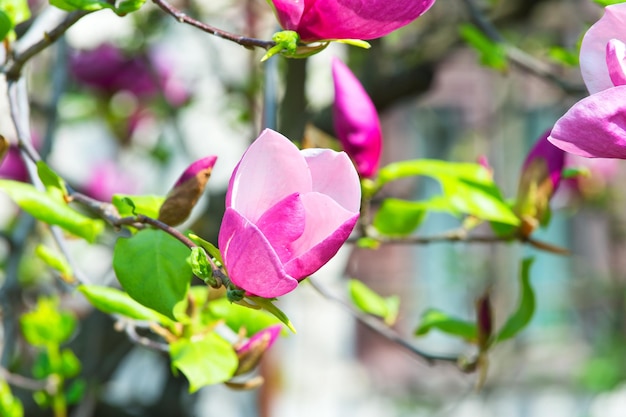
x,y
252,351
185,194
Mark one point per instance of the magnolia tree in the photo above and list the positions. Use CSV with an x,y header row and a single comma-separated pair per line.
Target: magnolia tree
x,y
209,301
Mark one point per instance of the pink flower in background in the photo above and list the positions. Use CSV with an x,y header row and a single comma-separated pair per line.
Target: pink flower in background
x,y
287,214
12,166
595,127
107,179
550,157
356,121
601,171
109,70
265,337
347,19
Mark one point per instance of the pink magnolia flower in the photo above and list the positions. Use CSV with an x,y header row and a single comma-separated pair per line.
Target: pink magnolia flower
x,y
347,19
595,127
356,121
109,70
264,339
12,166
107,179
287,213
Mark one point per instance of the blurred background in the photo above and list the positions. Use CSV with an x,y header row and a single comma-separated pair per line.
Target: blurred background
x,y
107,129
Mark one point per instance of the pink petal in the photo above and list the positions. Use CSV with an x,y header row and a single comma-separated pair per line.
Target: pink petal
x,y
271,332
615,53
283,224
356,120
328,225
347,19
593,65
193,169
554,158
252,263
595,127
271,169
326,167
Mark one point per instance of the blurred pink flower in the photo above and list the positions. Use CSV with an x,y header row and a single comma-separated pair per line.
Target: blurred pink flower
x,y
548,155
601,171
356,121
264,338
347,19
287,213
595,127
108,69
12,166
107,179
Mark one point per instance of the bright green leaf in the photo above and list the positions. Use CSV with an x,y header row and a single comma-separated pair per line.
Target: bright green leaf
x,y
113,301
526,308
46,324
6,25
371,303
438,320
200,265
368,243
204,361
49,178
492,54
55,261
10,406
121,7
398,217
12,12
467,188
268,306
76,391
148,205
70,364
609,2
152,268
52,211
237,317
211,249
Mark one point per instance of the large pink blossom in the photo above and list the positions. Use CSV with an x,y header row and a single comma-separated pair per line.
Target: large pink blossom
x,y
347,19
595,127
356,121
287,213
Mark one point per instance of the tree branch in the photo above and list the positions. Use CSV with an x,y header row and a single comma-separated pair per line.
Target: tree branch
x,y
382,329
241,40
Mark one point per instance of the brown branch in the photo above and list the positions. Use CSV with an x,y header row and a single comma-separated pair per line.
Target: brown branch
x,y
14,70
518,57
184,18
382,329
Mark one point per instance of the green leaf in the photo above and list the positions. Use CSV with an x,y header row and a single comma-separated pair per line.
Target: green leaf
x,y
55,261
113,301
152,268
368,243
10,406
609,2
12,12
237,317
211,249
526,308
436,319
47,325
49,178
564,56
6,25
52,211
76,391
200,265
492,54
398,217
70,364
147,205
121,8
204,361
467,188
371,303
268,306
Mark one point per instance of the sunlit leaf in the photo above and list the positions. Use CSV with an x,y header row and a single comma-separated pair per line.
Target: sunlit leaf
x,y
113,301
237,317
52,211
398,217
50,178
152,268
204,360
438,320
129,205
370,302
55,260
211,249
268,306
525,309
10,406
46,324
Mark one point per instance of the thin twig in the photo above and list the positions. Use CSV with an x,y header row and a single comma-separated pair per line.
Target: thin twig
x,y
382,329
132,334
23,382
14,70
241,40
517,56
